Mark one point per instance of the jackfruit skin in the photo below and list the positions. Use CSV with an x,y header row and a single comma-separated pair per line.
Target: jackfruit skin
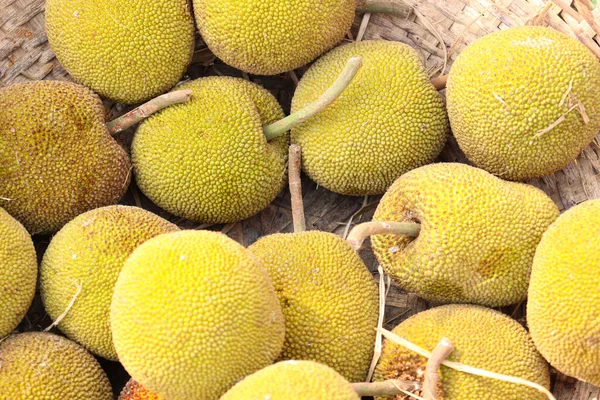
x,y
483,338
300,380
207,160
126,50
45,366
271,37
507,87
57,159
90,251
478,234
388,121
564,303
18,272
193,312
329,299
135,391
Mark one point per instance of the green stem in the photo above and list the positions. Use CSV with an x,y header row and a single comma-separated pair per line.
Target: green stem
x,y
386,7
360,232
341,83
294,167
391,387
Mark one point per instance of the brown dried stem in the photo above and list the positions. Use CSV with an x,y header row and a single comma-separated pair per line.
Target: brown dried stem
x,y
391,387
386,7
360,232
295,161
440,82
432,376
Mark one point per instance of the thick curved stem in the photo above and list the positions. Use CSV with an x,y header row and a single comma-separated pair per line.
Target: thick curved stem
x,y
440,82
291,121
295,160
359,233
391,387
145,110
386,7
432,376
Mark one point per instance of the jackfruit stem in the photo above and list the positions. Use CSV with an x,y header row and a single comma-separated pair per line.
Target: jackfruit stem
x,y
147,109
385,7
295,160
360,232
440,82
280,127
391,387
432,376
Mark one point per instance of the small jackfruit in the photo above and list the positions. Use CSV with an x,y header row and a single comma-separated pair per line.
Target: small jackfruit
x,y
42,366
482,338
478,234
126,50
564,303
524,102
271,37
208,160
89,252
192,313
388,121
328,297
57,159
18,272
135,391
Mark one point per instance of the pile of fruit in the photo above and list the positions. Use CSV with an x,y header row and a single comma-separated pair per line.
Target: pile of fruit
x,y
192,314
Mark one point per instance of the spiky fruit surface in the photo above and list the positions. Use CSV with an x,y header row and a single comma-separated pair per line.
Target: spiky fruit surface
x,y
90,251
18,272
271,37
192,313
388,121
519,101
126,50
135,391
483,338
564,303
57,159
300,380
478,234
42,366
208,160
328,296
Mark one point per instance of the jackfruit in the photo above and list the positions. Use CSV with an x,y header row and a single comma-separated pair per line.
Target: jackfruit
x,y
478,234
192,313
208,160
564,303
88,253
135,391
271,37
41,366
388,121
300,380
524,102
483,338
18,272
57,159
126,50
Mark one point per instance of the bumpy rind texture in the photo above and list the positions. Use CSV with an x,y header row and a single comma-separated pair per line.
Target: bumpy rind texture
x,y
300,380
518,101
329,299
271,37
135,391
18,272
125,50
90,251
57,159
564,303
388,121
483,338
478,234
193,312
208,160
44,366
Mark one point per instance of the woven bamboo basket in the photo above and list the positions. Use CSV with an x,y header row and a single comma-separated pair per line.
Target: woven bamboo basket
x,y
438,29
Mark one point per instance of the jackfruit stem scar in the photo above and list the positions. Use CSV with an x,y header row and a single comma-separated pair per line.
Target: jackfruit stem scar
x,y
390,387
295,161
360,232
147,109
432,377
280,127
439,82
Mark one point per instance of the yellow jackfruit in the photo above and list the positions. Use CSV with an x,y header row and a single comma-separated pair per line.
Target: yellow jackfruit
x,y
208,160
524,102
388,121
192,313
135,391
328,297
482,338
563,306
478,234
271,37
43,366
57,159
89,252
18,272
126,50
299,380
